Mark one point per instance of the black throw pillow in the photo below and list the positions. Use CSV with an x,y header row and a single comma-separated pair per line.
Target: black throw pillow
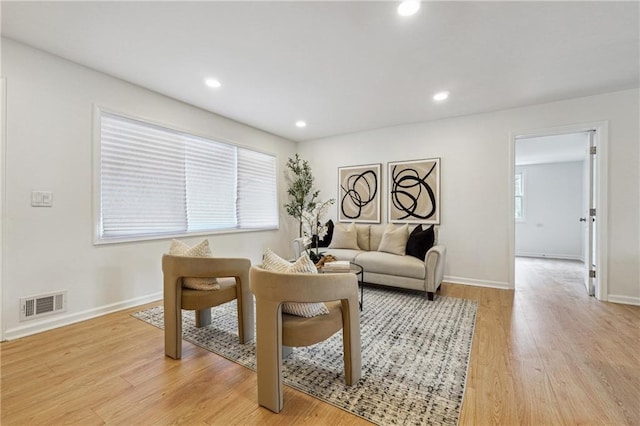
x,y
420,241
327,238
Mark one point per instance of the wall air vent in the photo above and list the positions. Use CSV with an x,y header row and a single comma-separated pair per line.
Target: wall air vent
x,y
43,304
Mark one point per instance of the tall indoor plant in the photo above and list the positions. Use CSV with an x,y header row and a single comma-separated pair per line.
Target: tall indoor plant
x,y
302,197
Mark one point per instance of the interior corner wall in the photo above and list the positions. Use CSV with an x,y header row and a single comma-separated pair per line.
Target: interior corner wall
x,y
475,165
49,147
552,207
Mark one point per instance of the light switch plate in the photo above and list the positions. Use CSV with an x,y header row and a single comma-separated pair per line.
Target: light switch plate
x,y
41,199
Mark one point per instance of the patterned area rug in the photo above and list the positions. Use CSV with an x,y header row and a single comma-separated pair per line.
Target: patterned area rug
x,y
415,355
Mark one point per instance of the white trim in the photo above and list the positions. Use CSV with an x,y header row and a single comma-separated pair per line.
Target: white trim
x,y
602,208
59,321
477,283
602,176
3,195
551,256
511,220
626,300
95,174
122,240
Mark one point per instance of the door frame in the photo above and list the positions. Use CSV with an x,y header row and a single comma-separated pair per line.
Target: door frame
x,y
601,136
3,200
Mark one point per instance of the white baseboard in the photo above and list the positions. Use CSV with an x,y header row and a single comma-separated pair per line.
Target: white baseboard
x,y
551,256
477,283
626,300
62,320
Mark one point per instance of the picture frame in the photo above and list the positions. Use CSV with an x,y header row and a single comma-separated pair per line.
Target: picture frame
x,y
359,193
413,191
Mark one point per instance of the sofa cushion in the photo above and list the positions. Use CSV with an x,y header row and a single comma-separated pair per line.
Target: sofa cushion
x,y
327,238
394,240
391,264
420,241
344,237
375,236
343,254
363,232
273,262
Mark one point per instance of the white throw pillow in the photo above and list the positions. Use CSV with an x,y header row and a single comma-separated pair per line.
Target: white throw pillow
x,y
344,237
273,262
394,240
178,248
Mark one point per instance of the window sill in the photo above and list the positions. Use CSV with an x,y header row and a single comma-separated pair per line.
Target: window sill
x,y
97,241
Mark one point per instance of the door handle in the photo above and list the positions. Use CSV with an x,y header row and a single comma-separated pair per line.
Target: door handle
x,y
583,219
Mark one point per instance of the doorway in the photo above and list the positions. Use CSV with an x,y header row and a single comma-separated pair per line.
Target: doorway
x,y
559,206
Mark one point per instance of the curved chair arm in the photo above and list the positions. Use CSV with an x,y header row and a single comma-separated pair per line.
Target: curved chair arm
x,y
286,287
174,268
206,267
434,264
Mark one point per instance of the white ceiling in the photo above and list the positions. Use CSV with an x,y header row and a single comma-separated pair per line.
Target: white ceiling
x,y
344,66
552,149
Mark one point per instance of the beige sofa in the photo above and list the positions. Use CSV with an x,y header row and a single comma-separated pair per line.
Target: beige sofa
x,y
390,269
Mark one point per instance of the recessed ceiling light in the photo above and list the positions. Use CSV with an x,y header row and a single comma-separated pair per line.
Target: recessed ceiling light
x,y
212,82
301,123
408,7
440,96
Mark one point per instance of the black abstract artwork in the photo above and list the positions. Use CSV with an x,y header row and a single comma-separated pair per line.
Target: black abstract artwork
x,y
359,193
414,191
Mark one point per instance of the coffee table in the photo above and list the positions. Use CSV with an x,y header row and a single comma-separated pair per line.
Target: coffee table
x,y
354,268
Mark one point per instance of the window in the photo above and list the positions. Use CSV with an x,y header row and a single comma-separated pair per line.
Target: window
x,y
157,182
519,194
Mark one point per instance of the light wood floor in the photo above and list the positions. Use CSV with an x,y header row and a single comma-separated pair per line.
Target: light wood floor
x,y
544,354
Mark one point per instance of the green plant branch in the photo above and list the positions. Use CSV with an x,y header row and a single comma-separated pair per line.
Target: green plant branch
x,y
302,197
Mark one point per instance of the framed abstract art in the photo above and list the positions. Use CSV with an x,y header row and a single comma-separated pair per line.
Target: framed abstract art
x,y
414,191
359,193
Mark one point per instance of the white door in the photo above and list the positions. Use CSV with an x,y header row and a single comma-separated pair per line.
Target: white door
x,y
589,218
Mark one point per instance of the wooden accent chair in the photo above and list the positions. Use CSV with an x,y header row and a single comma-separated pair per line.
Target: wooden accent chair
x,y
275,329
233,274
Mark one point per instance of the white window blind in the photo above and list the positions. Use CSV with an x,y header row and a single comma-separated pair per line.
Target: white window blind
x,y
211,185
257,198
156,181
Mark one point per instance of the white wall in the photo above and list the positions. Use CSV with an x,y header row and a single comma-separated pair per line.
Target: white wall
x,y
475,175
49,147
552,206
49,131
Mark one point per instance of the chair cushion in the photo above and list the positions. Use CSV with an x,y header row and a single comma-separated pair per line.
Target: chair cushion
x,y
273,262
298,331
178,248
194,300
